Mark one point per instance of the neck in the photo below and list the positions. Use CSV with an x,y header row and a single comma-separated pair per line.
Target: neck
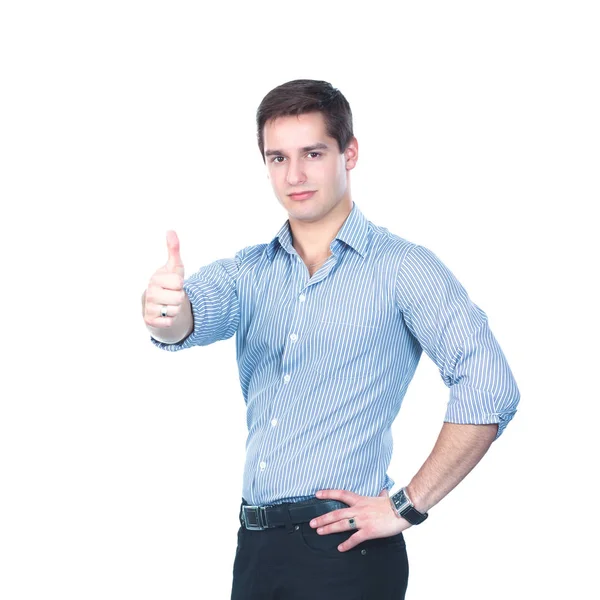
x,y
311,240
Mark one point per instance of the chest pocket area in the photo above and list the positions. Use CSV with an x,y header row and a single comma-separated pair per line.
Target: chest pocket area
x,y
345,350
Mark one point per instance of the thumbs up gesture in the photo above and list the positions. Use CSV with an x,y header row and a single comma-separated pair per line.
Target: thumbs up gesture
x,y
164,297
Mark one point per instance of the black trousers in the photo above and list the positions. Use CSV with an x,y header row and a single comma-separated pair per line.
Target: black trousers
x,y
296,563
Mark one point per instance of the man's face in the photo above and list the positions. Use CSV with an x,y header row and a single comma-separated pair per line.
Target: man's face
x,y
301,157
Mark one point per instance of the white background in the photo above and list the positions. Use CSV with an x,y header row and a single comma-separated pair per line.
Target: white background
x,y
478,128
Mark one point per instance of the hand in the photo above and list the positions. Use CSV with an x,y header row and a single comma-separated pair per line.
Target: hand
x,y
165,288
374,517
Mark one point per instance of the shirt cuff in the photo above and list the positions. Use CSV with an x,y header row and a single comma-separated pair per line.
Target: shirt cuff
x,y
470,406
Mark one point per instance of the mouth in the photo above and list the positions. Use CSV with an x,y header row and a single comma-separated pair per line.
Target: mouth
x,y
302,195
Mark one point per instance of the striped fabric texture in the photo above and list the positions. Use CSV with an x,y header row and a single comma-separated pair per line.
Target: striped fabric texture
x,y
325,361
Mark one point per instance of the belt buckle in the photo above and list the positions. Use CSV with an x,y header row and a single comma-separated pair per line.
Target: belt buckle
x,y
258,520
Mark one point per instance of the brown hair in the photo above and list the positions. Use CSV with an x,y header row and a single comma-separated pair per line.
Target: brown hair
x,y
304,96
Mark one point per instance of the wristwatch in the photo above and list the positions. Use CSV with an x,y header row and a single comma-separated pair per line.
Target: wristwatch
x,y
404,508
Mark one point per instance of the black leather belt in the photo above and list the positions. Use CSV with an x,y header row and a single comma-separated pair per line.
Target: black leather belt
x,y
257,518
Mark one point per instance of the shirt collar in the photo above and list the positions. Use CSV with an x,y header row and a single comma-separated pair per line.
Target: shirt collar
x,y
354,232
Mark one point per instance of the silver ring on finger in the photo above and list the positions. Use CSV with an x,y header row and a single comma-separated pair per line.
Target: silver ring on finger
x,y
164,310
352,523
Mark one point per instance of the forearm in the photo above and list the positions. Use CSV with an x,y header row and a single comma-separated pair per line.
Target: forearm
x,y
181,328
457,450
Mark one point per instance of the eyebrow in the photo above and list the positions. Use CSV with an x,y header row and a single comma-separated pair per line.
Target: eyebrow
x,y
319,146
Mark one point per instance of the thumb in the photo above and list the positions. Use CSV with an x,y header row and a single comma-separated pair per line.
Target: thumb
x,y
174,264
383,492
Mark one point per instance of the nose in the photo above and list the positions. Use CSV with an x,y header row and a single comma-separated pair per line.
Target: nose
x,y
295,174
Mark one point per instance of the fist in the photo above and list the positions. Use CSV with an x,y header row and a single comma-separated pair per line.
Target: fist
x,y
165,290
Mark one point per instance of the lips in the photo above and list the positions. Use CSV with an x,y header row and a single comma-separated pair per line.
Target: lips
x,y
301,196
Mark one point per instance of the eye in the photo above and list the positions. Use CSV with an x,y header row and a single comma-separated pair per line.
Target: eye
x,y
316,153
275,159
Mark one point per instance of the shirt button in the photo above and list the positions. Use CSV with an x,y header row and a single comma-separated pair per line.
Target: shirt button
x,y
286,378
293,337
274,422
263,466
302,298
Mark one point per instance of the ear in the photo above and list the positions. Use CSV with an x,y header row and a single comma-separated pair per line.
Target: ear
x,y
351,154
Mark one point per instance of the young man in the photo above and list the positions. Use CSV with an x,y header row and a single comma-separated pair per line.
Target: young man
x,y
331,317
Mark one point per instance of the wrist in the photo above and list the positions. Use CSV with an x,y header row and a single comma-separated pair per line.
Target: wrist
x,y
416,499
404,508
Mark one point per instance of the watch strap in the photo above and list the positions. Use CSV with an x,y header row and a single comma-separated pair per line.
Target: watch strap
x,y
413,516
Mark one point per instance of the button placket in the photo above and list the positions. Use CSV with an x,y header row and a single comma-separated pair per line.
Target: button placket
x,y
293,336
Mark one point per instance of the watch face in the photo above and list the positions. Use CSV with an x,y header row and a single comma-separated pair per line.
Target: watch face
x,y
400,499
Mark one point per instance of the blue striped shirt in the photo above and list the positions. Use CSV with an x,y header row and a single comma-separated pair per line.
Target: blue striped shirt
x,y
325,361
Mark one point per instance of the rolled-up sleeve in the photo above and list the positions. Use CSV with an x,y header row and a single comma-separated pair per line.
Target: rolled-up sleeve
x,y
454,332
215,305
